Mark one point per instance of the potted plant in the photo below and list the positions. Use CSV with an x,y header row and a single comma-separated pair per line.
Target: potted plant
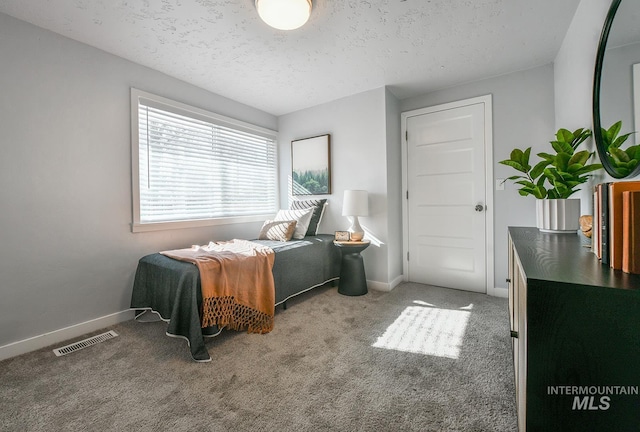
x,y
554,179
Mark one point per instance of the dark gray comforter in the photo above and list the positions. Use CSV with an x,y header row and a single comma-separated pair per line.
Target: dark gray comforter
x,y
172,288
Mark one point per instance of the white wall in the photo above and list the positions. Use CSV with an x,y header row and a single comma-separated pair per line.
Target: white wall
x,y
394,185
359,160
523,116
573,78
68,254
575,63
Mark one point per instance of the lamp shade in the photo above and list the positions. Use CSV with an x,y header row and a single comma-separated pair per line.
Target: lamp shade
x,y
284,14
355,203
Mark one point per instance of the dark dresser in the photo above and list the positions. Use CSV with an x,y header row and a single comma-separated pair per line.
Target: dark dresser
x,y
575,327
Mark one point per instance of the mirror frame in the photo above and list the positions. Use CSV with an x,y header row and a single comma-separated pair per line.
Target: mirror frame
x,y
597,79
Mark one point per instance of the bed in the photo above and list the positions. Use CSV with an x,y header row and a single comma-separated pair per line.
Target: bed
x,y
172,289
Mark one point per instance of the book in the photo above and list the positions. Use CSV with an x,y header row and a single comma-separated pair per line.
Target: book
x,y
615,219
631,232
603,201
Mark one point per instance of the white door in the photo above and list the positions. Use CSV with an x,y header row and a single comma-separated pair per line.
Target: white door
x,y
447,202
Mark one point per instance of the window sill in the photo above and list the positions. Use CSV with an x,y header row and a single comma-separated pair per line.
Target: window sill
x,y
138,227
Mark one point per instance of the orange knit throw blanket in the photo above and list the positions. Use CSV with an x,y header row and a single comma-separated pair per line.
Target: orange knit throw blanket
x,y
238,290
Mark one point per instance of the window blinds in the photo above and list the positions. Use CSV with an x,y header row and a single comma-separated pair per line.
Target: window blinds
x,y
192,167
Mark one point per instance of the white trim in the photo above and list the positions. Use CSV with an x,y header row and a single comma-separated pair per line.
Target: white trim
x,y
44,340
307,289
489,188
160,226
384,286
137,95
144,311
488,150
500,292
397,281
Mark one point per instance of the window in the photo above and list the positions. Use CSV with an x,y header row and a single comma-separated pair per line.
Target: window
x,y
195,168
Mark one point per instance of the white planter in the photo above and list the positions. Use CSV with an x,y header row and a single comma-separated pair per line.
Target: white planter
x,y
558,215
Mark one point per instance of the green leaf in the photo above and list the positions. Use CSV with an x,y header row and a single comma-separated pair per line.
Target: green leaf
x,y
538,169
574,168
547,156
525,158
564,135
526,183
614,130
562,161
514,165
516,156
562,147
527,190
615,161
588,169
619,155
565,176
580,157
580,135
623,171
562,189
551,174
540,192
633,151
620,140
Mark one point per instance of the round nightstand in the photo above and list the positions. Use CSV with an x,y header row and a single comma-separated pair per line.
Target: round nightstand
x,y
353,281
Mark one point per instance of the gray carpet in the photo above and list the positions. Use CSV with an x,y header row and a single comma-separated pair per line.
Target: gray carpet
x,y
316,371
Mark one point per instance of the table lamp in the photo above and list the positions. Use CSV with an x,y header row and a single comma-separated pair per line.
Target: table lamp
x,y
355,204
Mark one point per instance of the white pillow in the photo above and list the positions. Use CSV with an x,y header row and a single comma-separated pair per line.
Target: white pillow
x,y
277,230
302,218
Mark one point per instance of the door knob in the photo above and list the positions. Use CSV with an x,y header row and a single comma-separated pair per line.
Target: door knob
x,y
479,207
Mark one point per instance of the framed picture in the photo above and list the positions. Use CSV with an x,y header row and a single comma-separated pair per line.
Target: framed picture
x,y
342,236
311,166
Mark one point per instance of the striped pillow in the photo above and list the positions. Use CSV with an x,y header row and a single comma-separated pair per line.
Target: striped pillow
x,y
277,230
318,211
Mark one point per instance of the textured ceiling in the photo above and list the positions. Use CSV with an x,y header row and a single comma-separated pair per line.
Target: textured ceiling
x,y
347,47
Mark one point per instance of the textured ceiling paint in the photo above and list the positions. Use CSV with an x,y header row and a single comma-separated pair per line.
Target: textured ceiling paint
x,y
347,47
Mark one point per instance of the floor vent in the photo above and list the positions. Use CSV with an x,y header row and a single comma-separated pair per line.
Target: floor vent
x,y
84,343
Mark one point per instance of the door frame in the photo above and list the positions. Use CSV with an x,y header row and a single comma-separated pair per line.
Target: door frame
x,y
488,162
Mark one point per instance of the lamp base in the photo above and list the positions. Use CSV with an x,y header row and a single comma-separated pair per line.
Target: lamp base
x,y
356,233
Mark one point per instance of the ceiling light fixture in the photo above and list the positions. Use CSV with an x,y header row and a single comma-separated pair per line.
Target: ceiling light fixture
x,y
284,14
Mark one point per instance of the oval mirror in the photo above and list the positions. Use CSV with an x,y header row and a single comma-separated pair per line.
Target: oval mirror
x,y
616,111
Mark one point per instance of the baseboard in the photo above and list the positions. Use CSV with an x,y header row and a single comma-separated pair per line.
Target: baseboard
x,y
384,286
397,281
499,292
37,342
